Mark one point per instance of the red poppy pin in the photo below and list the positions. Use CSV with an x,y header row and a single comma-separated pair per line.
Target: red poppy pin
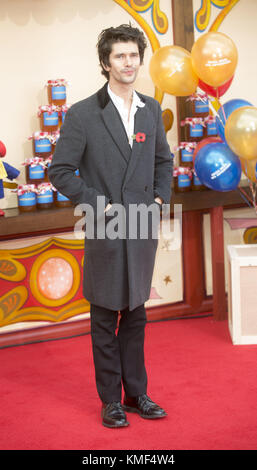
x,y
139,137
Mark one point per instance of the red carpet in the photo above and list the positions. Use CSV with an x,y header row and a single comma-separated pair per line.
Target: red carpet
x,y
207,386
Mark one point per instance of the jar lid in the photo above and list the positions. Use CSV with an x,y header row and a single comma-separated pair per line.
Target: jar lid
x,y
55,136
48,108
34,162
204,97
48,160
182,170
40,135
44,187
25,188
57,82
64,107
185,145
210,119
193,121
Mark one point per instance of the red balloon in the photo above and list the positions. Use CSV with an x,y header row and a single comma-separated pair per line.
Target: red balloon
x,y
204,142
2,149
217,92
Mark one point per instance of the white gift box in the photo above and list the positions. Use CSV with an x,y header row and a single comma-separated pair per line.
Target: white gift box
x,y
242,293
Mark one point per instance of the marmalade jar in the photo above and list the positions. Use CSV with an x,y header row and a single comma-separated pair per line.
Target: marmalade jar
x,y
35,170
56,90
186,152
49,118
196,183
182,177
27,201
47,163
42,144
199,105
211,129
61,200
54,139
194,130
62,113
45,198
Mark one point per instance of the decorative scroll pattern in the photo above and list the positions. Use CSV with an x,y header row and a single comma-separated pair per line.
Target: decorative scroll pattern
x,y
216,24
202,16
160,20
11,269
250,235
23,294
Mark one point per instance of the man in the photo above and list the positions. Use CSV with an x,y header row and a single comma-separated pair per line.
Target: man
x,y
98,137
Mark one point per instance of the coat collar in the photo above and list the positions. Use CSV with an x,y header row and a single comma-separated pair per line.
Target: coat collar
x,y
104,97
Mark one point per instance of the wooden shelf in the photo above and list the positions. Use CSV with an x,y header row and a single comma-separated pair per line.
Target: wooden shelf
x,y
15,224
208,199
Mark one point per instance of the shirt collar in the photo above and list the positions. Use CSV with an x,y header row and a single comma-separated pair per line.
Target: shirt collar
x,y
120,102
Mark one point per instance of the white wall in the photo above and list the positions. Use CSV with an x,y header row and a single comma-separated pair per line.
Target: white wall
x,y
46,39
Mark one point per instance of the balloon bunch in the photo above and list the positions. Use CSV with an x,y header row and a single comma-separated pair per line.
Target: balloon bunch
x,y
211,65
236,123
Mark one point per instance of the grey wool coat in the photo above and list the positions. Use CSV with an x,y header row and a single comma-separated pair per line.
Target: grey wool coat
x,y
118,271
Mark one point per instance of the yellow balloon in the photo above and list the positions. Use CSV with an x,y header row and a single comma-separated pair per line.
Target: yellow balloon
x,y
241,132
249,168
171,70
214,58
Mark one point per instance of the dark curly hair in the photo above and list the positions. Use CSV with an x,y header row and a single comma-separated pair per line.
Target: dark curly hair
x,y
122,33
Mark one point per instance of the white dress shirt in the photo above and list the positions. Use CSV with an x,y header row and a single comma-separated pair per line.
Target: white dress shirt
x,y
127,118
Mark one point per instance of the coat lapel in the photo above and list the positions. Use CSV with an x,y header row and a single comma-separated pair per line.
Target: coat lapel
x,y
113,122
143,124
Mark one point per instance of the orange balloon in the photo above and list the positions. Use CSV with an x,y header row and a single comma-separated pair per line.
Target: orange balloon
x,y
214,58
172,72
241,132
249,168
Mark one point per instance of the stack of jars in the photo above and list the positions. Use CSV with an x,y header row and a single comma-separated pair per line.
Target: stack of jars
x,y
186,167
38,192
195,128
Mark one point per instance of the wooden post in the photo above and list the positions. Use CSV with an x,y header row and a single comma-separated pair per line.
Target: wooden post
x,y
193,259
218,271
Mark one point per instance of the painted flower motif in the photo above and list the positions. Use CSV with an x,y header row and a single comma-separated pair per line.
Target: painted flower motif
x,y
139,137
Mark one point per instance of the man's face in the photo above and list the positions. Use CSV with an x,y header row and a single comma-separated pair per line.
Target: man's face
x,y
124,62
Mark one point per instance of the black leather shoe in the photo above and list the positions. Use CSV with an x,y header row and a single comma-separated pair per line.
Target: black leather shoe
x,y
113,415
144,406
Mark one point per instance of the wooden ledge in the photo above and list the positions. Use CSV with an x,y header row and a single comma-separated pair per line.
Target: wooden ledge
x,y
15,224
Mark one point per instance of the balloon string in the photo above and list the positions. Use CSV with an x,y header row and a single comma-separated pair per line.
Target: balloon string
x,y
212,108
223,111
215,113
245,197
241,191
253,190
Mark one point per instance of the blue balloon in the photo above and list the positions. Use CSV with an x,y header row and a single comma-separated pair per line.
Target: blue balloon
x,y
218,167
228,108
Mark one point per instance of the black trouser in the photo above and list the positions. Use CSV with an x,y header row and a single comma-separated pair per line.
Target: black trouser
x,y
118,358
